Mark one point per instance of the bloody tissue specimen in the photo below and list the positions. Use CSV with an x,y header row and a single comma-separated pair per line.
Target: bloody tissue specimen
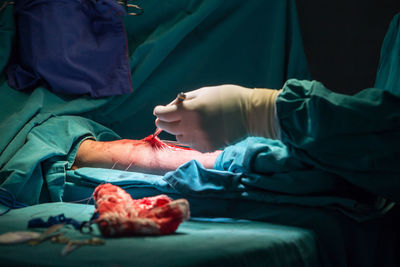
x,y
120,215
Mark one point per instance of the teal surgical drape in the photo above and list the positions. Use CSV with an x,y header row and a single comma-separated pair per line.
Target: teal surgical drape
x,y
174,46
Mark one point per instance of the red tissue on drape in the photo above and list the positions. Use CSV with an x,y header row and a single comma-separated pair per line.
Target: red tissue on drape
x,y
120,215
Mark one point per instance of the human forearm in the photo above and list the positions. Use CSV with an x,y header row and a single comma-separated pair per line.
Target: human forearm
x,y
138,155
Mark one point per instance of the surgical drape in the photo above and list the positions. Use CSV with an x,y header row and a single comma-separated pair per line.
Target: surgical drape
x,y
332,145
174,46
356,137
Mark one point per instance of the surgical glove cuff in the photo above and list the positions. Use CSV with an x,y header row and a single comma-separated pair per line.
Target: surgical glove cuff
x,y
261,115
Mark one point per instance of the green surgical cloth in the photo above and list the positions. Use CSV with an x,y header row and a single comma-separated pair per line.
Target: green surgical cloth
x,y
180,46
388,77
336,150
36,172
266,170
174,46
196,243
356,137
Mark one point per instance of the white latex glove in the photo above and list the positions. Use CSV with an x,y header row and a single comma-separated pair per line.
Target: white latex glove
x,y
212,117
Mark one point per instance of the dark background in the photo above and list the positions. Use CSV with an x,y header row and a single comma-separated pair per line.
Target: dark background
x,y
342,40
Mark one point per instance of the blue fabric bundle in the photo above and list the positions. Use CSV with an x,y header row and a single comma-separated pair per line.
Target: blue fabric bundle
x,y
71,47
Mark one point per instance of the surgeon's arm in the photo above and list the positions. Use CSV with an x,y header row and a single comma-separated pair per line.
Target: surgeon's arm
x,y
313,118
354,136
138,155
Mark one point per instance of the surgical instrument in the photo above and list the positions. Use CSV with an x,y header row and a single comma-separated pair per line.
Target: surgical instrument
x,y
179,99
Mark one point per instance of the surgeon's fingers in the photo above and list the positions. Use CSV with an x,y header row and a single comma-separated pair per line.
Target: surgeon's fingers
x,y
192,94
197,92
170,127
167,113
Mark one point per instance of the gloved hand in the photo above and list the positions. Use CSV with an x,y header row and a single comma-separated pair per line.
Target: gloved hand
x,y
212,117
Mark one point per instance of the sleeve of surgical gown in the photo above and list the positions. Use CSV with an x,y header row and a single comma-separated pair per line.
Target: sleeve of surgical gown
x,y
356,137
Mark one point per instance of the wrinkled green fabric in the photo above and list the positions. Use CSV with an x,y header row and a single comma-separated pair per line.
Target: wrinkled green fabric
x,y
267,171
54,154
183,45
388,77
336,150
341,240
356,137
196,243
174,46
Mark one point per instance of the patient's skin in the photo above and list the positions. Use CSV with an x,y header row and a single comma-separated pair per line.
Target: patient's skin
x,y
149,155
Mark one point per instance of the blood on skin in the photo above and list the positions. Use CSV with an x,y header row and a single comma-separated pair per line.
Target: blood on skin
x,y
150,155
155,142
